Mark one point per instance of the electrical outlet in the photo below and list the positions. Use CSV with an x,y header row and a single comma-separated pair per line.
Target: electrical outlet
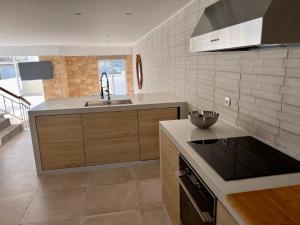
x,y
227,101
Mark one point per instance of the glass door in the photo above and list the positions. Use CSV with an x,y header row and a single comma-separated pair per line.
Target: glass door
x,y
31,90
9,77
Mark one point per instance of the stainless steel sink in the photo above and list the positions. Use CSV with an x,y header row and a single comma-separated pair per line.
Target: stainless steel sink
x,y
106,103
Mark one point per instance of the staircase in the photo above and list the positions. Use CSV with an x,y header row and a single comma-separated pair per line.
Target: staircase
x,y
8,130
13,115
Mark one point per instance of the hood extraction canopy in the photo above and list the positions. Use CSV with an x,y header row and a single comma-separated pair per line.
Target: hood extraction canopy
x,y
230,24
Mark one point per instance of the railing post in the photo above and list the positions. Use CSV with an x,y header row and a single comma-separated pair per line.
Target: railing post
x,y
12,105
24,115
4,103
21,110
27,118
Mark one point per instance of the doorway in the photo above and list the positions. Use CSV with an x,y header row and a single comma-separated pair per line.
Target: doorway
x,y
10,79
116,72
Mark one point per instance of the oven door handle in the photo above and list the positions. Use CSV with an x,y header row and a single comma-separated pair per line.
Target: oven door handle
x,y
205,216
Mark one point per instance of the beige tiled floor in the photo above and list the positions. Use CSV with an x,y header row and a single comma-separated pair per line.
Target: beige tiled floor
x,y
120,196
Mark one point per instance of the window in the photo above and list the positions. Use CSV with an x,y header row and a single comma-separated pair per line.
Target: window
x,y
7,71
116,72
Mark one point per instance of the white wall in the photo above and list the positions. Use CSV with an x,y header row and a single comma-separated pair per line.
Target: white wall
x,y
11,85
32,87
62,50
28,50
264,84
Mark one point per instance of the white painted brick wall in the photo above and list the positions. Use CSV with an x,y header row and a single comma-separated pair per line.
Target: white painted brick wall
x,y
264,84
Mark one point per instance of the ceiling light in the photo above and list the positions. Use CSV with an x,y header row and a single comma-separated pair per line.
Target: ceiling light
x,y
128,13
78,14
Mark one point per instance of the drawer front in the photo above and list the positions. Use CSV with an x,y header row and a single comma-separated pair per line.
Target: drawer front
x,y
172,208
59,128
149,148
149,130
170,153
170,183
62,155
112,150
223,216
107,125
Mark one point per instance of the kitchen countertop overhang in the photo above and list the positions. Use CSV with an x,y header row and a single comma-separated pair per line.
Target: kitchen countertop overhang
x,y
77,104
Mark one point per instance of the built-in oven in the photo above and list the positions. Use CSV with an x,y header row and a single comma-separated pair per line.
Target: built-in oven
x,y
197,202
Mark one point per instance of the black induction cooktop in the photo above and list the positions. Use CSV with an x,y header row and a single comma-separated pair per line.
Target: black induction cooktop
x,y
244,157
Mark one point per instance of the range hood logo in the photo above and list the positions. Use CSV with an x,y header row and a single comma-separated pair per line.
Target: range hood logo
x,y
215,40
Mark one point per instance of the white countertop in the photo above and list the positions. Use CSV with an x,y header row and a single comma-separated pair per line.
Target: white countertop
x,y
77,104
182,131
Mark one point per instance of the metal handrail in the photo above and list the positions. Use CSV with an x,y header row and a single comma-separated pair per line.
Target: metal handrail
x,y
21,104
15,96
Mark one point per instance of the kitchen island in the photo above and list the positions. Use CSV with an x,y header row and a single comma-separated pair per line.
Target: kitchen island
x,y
68,135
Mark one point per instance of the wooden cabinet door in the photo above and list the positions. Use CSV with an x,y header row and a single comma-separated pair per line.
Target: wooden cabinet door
x,y
60,141
107,125
110,137
59,128
62,155
112,150
170,184
223,216
149,130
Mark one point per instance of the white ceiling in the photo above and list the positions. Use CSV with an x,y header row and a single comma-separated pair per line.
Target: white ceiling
x,y
102,23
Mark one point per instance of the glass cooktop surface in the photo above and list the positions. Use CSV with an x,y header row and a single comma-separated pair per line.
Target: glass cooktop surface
x,y
244,157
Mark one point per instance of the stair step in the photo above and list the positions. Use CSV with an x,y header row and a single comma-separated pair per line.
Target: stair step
x,y
4,122
9,132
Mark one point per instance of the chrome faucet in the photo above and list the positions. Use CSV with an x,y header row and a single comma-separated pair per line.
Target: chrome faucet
x,y
107,87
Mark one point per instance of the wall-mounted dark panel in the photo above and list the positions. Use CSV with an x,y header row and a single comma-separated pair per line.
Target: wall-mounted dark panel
x,y
36,70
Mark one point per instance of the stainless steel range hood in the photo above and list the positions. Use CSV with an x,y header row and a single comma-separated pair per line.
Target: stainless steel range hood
x,y
230,24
